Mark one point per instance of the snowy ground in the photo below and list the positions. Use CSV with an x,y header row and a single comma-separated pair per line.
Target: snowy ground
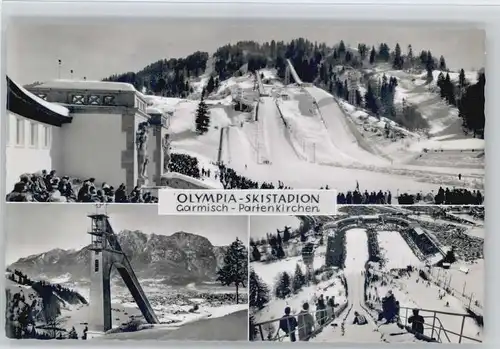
x,y
230,327
417,294
309,146
464,278
396,251
171,305
356,258
411,291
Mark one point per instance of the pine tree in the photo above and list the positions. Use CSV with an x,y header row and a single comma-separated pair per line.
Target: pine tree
x,y
384,52
440,83
256,253
303,236
235,268
442,64
461,79
359,98
429,66
258,292
373,54
371,101
283,287
398,59
280,253
348,56
341,48
363,49
210,85
471,107
202,118
450,90
409,56
299,280
273,242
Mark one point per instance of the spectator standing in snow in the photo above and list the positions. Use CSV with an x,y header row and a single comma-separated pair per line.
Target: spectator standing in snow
x,y
321,310
288,324
417,322
306,323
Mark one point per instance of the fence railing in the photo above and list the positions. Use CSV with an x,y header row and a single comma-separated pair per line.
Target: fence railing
x,y
442,279
270,330
434,328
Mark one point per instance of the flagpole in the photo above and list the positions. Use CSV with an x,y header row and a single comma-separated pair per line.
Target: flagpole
x,y
59,62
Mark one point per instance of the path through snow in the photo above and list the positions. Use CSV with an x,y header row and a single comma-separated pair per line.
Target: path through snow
x,y
279,147
356,257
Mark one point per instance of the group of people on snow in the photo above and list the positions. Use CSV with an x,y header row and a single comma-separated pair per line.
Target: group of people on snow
x,y
305,322
356,197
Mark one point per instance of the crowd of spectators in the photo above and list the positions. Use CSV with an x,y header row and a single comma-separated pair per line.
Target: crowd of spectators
x,y
48,187
465,246
356,197
453,196
232,180
457,196
184,164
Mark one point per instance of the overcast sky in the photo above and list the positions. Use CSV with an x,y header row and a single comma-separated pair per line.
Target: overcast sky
x,y
261,225
37,228
98,49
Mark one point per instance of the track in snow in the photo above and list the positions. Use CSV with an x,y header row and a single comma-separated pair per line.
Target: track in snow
x,y
340,133
279,147
262,90
356,257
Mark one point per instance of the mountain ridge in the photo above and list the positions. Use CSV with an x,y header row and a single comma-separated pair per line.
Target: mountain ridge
x,y
180,258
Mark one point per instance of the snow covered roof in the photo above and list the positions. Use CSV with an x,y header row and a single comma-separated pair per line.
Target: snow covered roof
x,y
23,103
59,109
153,110
87,85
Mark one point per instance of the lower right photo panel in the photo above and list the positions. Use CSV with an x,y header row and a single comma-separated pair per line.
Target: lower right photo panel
x,y
370,274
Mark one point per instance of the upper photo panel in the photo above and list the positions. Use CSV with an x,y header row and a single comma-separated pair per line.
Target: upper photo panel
x,y
112,111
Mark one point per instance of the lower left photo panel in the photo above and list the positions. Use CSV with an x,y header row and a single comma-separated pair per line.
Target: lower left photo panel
x,y
122,272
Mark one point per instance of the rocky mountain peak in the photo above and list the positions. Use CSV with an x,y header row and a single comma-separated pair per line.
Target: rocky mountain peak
x,y
179,258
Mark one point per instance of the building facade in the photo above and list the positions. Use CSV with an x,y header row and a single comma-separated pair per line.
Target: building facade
x,y
84,129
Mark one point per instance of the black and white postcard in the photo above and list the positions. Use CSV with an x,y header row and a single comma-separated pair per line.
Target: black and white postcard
x,y
113,111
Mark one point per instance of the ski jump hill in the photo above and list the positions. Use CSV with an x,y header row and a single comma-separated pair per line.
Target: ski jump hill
x,y
353,261
304,137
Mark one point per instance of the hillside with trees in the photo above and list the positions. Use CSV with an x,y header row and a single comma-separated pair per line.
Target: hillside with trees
x,y
166,77
326,66
33,308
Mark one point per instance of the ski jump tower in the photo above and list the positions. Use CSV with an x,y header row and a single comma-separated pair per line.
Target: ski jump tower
x,y
308,257
106,252
352,85
287,75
